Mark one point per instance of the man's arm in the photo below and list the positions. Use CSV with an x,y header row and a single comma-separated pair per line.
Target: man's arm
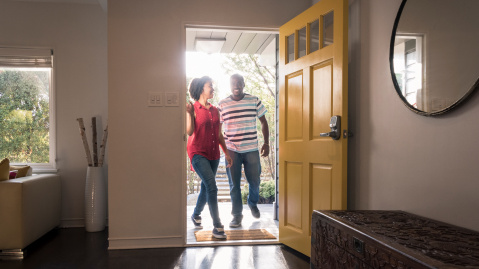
x,y
265,131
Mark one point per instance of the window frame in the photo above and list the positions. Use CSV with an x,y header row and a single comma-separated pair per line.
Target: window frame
x,y
50,167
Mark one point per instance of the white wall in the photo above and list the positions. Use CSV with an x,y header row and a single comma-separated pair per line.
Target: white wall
x,y
77,33
146,53
400,160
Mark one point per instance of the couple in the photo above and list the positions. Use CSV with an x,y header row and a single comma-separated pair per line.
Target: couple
x,y
238,113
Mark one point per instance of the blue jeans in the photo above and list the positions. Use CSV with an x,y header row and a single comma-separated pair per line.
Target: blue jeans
x,y
252,170
206,170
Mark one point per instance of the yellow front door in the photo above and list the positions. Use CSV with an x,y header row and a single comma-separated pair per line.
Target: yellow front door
x,y
313,88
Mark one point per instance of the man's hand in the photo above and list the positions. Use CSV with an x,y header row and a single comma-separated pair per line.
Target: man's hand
x,y
229,161
265,131
265,150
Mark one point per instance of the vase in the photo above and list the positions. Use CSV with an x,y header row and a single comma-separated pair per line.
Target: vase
x,y
95,200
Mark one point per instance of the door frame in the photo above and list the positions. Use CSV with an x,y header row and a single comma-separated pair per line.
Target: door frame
x,y
181,84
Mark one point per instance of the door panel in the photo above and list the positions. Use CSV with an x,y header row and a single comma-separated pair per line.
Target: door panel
x,y
320,188
313,88
293,195
294,107
321,103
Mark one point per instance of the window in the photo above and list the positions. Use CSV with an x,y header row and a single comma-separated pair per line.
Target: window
x,y
26,107
408,68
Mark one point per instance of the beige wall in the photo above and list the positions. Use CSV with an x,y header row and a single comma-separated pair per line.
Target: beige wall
x,y
146,53
400,160
397,159
77,33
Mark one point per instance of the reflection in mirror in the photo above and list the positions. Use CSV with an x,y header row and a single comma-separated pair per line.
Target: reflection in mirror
x,y
434,54
408,68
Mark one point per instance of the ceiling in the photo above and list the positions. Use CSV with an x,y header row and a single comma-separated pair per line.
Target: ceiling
x,y
236,41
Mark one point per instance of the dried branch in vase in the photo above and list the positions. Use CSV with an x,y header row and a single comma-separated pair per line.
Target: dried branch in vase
x,y
103,146
94,142
97,161
85,141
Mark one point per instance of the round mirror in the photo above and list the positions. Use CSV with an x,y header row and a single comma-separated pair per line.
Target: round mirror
x,y
434,54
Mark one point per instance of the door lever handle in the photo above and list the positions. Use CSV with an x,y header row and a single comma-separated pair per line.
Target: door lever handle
x,y
334,135
335,125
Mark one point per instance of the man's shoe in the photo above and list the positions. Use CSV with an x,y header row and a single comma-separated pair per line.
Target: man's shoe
x,y
255,211
236,222
219,232
196,222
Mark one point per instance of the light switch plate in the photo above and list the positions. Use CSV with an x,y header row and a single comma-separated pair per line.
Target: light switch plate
x,y
156,98
172,99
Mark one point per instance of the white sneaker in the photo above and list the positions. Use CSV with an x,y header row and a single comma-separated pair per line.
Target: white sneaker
x,y
219,233
197,222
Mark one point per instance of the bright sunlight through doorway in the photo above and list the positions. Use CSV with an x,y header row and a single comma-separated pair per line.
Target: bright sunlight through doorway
x,y
254,56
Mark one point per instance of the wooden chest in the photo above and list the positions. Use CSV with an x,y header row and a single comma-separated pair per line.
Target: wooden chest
x,y
389,239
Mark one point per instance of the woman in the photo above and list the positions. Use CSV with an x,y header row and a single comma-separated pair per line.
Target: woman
x,y
204,129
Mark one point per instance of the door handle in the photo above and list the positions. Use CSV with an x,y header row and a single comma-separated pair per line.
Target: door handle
x,y
335,125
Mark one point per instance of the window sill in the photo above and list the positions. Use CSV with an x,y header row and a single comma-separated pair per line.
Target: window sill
x,y
44,171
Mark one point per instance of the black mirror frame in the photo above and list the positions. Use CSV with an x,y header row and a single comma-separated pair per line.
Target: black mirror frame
x,y
396,85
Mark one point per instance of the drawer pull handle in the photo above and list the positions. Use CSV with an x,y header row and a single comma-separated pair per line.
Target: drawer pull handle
x,y
358,245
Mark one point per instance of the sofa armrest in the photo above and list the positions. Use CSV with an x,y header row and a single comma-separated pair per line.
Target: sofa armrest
x,y
29,207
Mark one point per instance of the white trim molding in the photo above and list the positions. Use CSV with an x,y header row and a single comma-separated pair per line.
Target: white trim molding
x,y
146,242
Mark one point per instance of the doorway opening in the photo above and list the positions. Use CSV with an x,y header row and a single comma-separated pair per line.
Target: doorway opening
x,y
220,53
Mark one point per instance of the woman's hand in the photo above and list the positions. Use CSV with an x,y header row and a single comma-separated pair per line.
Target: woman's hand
x,y
229,160
190,108
190,121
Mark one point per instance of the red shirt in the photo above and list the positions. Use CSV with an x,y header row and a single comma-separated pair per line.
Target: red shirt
x,y
205,138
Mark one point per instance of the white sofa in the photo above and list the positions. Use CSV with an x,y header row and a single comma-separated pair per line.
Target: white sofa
x,y
29,208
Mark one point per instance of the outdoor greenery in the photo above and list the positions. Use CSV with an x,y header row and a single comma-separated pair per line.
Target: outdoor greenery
x,y
24,115
266,192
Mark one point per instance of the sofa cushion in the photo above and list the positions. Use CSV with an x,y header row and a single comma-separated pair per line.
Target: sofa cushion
x,y
4,169
22,170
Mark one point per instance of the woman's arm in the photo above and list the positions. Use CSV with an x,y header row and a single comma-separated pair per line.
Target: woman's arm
x,y
190,118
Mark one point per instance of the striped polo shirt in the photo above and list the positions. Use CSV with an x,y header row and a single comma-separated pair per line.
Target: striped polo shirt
x,y
239,122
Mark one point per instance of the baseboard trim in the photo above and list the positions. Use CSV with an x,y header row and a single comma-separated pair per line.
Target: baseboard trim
x,y
72,223
146,242
75,223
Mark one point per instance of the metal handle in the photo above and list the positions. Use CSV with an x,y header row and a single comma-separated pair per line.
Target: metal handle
x,y
335,125
358,245
333,134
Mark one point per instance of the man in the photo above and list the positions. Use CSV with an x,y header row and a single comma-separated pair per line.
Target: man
x,y
238,113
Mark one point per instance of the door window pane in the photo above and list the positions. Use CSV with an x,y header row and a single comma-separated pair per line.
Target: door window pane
x,y
328,27
302,42
314,36
290,48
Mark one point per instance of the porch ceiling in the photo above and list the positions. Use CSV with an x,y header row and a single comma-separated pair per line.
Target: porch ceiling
x,y
236,41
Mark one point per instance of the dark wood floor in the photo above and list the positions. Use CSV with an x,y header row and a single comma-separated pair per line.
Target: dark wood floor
x,y
75,248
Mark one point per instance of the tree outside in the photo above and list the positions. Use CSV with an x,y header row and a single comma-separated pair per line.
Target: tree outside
x,y
24,115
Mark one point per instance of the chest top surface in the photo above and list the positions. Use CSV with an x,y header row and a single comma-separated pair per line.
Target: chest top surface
x,y
442,242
